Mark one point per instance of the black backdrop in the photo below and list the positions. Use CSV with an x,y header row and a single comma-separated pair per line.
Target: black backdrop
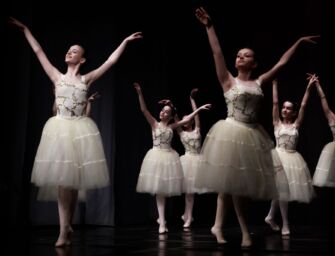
x,y
171,59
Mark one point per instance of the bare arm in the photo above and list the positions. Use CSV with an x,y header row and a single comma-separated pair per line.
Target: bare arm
x,y
328,113
151,120
190,116
50,70
194,107
224,76
285,58
301,113
90,100
275,106
113,58
176,120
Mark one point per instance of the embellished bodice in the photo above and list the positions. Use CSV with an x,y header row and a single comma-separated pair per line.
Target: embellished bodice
x,y
162,137
332,128
286,136
191,141
71,99
243,100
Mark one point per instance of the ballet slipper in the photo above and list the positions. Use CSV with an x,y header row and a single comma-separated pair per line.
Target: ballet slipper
x,y
218,235
272,224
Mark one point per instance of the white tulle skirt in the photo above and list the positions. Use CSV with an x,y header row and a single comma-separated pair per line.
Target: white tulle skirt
x,y
324,175
70,154
161,173
190,164
298,176
236,159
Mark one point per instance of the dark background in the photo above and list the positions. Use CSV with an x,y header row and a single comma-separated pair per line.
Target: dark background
x,y
173,57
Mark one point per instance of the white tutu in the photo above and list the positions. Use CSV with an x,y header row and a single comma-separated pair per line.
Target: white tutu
x,y
280,177
161,173
70,154
298,175
324,175
190,164
236,159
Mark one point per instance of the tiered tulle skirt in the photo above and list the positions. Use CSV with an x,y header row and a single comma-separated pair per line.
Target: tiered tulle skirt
x,y
161,173
324,175
70,154
298,176
190,164
236,159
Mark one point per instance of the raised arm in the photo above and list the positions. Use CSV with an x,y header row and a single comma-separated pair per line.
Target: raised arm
x,y
328,113
275,106
151,120
301,114
50,70
113,58
269,75
194,107
189,117
224,76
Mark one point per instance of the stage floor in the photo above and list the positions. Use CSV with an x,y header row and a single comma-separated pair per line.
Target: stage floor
x,y
198,241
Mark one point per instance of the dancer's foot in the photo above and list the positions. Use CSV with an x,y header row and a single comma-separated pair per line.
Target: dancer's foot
x,y
187,222
162,229
246,242
218,234
285,231
272,224
62,241
64,238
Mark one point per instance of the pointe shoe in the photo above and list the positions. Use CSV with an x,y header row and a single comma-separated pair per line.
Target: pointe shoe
x,y
285,232
272,224
187,223
218,235
246,244
62,243
162,230
65,237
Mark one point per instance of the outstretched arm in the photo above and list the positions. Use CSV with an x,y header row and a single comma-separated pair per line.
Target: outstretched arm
x,y
113,58
194,107
151,120
301,114
275,106
285,58
224,76
50,70
328,113
190,116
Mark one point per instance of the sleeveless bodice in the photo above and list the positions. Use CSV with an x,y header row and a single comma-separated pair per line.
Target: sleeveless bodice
x,y
71,98
162,137
286,136
243,101
191,141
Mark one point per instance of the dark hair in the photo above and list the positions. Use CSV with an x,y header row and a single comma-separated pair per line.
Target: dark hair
x,y
295,104
173,109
